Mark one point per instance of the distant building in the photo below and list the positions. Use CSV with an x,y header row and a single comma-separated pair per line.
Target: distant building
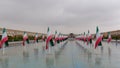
x,y
12,32
113,33
71,35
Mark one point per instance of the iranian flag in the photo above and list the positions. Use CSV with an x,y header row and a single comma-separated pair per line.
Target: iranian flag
x,y
49,40
56,33
89,37
98,38
57,38
36,38
43,37
109,37
25,38
4,39
84,37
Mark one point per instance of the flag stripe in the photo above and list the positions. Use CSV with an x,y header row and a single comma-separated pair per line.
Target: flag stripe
x,y
98,41
48,40
4,37
99,38
25,38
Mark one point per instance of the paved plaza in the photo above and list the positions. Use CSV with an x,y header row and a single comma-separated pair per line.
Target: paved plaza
x,y
68,54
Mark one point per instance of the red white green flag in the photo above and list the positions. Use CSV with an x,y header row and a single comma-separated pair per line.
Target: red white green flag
x,y
4,39
36,38
56,37
84,37
56,32
49,40
109,37
25,38
89,38
43,37
98,38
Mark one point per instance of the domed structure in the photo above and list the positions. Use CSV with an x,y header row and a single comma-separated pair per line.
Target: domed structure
x,y
71,35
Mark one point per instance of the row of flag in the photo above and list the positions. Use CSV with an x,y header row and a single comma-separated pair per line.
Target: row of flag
x,y
53,39
4,39
88,38
25,38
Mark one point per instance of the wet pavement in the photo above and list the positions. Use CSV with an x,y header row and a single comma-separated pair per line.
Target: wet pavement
x,y
68,54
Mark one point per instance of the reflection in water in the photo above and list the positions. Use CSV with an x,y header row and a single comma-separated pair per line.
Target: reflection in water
x,y
102,49
98,61
43,49
51,58
81,47
4,62
25,56
116,42
57,53
89,57
64,44
36,53
88,53
50,61
109,51
109,54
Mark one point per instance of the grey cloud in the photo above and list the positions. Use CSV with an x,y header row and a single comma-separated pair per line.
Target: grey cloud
x,y
76,15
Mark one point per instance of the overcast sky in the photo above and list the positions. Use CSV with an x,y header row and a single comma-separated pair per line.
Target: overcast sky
x,y
65,16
